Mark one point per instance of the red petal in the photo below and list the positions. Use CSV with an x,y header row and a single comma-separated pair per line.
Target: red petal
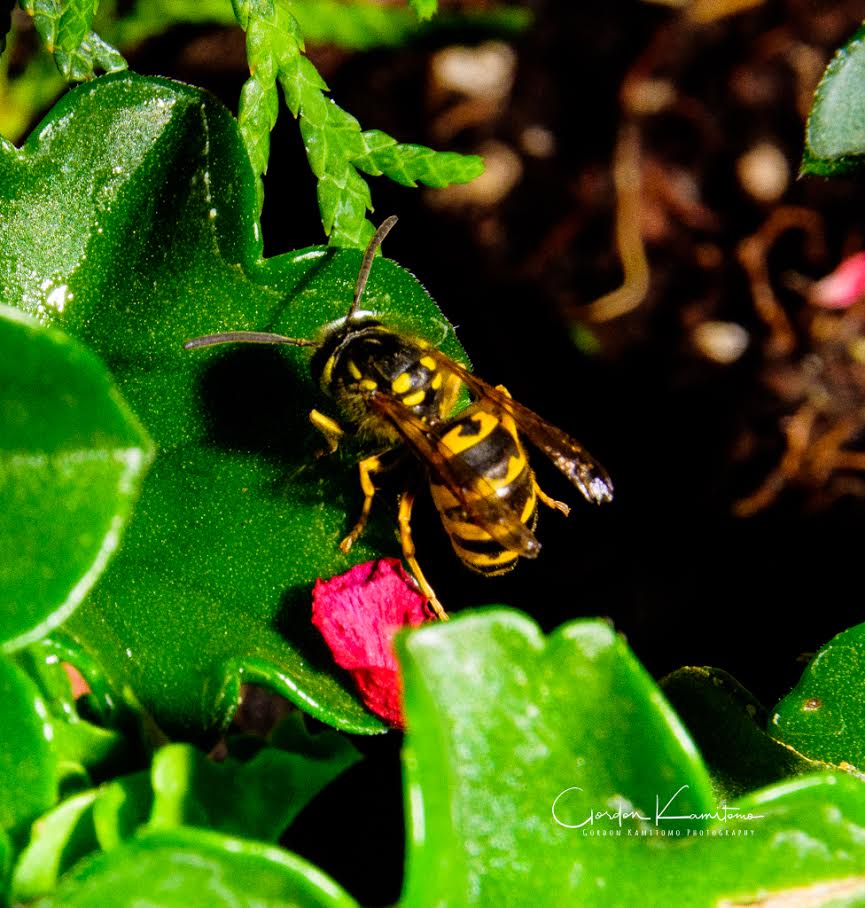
x,y
843,287
358,614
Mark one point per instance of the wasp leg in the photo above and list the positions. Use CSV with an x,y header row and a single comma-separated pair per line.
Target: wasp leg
x,y
329,428
367,467
550,502
406,503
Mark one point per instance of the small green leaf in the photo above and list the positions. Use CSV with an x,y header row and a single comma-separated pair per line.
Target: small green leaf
x,y
728,724
28,765
72,457
823,717
526,759
93,53
410,164
76,21
58,841
76,742
6,855
258,799
64,27
835,135
424,9
123,806
177,868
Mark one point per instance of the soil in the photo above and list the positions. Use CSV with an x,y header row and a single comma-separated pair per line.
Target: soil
x,y
688,567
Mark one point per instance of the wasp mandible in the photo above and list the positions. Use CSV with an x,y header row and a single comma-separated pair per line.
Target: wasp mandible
x,y
396,390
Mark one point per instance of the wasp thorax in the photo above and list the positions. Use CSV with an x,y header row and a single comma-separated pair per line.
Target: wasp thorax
x,y
362,358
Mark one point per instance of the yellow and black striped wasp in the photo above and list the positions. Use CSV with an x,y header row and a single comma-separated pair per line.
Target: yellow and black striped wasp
x,y
395,390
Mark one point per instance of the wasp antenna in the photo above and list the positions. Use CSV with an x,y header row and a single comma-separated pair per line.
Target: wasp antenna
x,y
366,266
246,337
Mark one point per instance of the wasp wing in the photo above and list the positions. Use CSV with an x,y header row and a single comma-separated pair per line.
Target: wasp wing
x,y
483,507
565,452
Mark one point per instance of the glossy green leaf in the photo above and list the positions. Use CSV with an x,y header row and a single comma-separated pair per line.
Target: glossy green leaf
x,y
526,759
71,459
729,727
257,799
823,717
135,196
835,135
58,841
28,765
76,742
183,867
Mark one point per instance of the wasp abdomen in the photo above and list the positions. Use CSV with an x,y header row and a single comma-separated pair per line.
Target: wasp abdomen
x,y
484,444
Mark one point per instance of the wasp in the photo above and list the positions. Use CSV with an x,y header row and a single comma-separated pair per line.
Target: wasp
x,y
397,391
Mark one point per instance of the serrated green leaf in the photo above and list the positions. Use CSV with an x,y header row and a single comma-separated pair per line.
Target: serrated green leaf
x,y
525,761
177,868
64,27
413,164
72,456
728,724
90,55
135,194
76,21
835,134
258,799
58,840
823,717
28,766
334,144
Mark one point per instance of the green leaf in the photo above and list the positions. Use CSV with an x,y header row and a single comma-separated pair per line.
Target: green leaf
x,y
501,724
77,742
424,9
72,457
123,806
64,27
835,135
28,766
410,164
175,869
823,717
514,741
258,799
76,21
6,855
728,724
136,196
58,841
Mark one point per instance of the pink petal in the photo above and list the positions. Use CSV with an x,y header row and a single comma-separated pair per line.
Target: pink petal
x,y
358,614
843,287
